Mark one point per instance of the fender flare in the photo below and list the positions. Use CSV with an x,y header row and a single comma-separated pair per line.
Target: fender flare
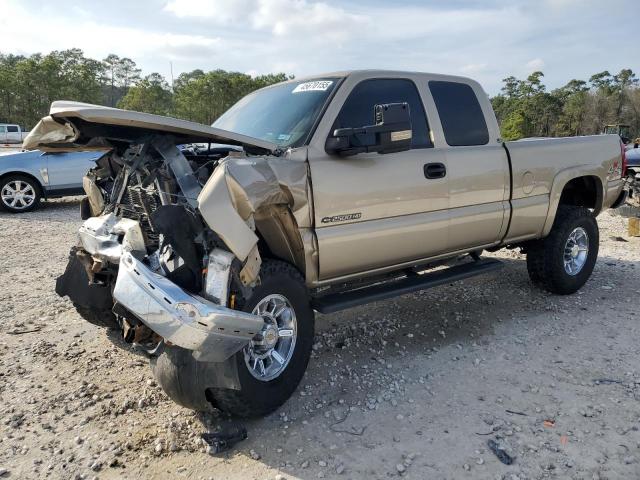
x,y
560,181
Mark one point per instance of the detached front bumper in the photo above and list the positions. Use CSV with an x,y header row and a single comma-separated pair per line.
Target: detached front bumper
x,y
214,333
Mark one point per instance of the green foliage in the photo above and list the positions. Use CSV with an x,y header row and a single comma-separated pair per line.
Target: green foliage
x,y
524,108
203,97
28,85
151,95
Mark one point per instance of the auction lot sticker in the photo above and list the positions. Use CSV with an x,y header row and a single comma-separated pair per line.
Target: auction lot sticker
x,y
317,86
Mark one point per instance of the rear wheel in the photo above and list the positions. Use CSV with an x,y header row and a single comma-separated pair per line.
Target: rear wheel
x,y
19,193
563,261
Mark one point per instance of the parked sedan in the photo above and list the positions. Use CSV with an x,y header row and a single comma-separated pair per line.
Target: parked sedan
x,y
27,177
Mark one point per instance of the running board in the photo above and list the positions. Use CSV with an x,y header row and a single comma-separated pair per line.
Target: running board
x,y
335,302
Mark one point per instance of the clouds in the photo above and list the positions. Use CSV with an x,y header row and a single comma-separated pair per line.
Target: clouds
x,y
535,65
487,39
24,31
278,17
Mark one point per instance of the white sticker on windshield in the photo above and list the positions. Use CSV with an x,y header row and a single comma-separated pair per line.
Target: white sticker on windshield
x,y
317,86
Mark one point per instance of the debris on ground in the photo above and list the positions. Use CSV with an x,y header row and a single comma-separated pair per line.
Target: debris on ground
x,y
224,440
499,452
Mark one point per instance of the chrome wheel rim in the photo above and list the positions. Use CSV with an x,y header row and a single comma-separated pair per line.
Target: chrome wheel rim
x,y
270,351
18,194
576,251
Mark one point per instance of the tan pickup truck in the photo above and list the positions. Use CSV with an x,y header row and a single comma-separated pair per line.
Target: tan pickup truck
x,y
210,248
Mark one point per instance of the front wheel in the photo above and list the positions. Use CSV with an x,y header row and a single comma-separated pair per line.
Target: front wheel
x,y
19,194
563,261
273,364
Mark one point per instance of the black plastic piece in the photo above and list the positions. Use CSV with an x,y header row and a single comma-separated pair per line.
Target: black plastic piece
x,y
180,228
85,209
74,283
435,170
224,440
503,456
391,118
335,302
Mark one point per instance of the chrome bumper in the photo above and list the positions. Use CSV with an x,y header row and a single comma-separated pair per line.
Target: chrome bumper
x,y
107,236
213,332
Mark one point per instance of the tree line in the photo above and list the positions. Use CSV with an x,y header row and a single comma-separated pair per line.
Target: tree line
x,y
524,108
28,85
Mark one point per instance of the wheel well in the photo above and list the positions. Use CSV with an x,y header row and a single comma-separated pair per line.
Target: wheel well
x,y
27,175
583,192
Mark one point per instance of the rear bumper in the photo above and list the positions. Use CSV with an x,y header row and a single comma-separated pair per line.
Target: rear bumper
x,y
214,333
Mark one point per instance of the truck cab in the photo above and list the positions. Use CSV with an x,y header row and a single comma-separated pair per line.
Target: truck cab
x,y
11,133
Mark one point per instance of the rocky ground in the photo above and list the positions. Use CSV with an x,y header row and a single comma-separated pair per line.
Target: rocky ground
x,y
412,387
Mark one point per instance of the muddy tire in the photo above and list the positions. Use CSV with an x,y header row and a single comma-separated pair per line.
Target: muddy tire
x,y
266,383
101,318
562,262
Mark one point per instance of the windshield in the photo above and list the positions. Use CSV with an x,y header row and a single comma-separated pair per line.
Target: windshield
x,y
283,114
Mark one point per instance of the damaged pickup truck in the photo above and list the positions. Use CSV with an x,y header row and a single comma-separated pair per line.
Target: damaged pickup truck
x,y
331,192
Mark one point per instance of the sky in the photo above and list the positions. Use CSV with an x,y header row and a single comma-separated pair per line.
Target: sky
x,y
487,40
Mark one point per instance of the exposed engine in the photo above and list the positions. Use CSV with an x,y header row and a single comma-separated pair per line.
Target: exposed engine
x,y
143,237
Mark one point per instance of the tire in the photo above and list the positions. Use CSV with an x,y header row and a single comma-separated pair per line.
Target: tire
x,y
19,193
261,397
546,257
101,318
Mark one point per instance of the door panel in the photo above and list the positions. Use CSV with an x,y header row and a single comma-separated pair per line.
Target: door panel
x,y
478,194
399,214
372,210
478,166
66,170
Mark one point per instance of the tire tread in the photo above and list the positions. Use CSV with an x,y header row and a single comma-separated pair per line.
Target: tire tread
x,y
542,254
242,404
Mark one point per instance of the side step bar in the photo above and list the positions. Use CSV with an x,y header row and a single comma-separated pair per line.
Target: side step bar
x,y
335,302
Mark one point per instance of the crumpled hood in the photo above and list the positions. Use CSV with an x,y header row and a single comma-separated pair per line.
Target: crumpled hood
x,y
82,126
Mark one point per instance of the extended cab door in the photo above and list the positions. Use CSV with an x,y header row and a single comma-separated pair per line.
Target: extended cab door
x,y
477,164
371,210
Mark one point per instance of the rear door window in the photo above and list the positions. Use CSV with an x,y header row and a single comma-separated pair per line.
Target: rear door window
x,y
357,110
460,114
12,129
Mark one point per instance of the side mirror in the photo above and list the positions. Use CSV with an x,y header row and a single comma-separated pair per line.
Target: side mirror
x,y
391,133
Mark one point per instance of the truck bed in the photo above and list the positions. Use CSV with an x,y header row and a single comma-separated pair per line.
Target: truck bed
x,y
537,183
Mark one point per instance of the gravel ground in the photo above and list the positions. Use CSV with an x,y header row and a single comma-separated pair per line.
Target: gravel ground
x,y
412,387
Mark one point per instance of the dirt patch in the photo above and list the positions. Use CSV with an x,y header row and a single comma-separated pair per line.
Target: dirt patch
x,y
412,387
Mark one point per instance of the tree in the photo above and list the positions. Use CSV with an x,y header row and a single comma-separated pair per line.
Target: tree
x,y
203,97
524,107
622,83
151,95
573,98
120,74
